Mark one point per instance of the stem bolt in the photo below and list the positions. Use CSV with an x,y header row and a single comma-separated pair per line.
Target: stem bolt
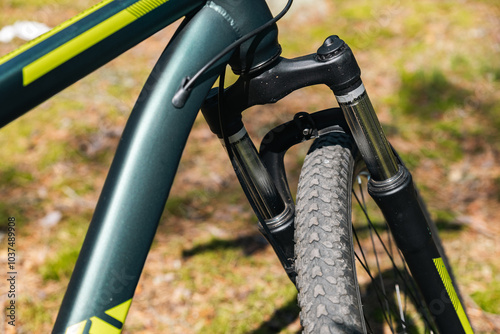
x,y
332,46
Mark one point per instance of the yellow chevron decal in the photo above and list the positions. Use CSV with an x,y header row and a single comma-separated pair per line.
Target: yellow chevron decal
x,y
102,327
99,326
119,312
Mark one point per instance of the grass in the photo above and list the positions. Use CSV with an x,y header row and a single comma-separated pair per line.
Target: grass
x,y
61,266
489,299
487,291
429,94
433,73
64,248
36,312
228,281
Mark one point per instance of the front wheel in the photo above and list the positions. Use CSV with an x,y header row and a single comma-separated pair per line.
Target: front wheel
x,y
350,275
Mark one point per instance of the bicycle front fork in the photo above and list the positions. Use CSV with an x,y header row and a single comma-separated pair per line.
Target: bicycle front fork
x,y
390,185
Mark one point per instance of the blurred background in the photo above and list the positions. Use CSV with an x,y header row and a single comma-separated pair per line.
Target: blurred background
x,y
432,70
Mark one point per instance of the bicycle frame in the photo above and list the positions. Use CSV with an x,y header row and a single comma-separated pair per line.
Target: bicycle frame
x,y
141,175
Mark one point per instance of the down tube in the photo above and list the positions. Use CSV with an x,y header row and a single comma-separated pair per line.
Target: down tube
x,y
136,189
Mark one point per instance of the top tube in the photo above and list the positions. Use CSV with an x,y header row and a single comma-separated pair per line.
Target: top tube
x,y
70,51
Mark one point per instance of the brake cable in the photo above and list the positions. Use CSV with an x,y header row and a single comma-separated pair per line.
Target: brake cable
x,y
182,94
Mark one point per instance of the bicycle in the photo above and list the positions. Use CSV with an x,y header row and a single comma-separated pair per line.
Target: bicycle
x,y
301,236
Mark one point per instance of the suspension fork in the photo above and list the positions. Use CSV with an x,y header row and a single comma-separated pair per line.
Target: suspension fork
x,y
390,185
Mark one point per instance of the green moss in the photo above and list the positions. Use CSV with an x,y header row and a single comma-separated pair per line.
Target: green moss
x,y
443,216
357,11
176,206
56,152
413,26
13,209
212,264
460,63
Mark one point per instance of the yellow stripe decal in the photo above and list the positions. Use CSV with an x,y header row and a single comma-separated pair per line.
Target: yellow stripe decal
x,y
77,45
445,277
54,31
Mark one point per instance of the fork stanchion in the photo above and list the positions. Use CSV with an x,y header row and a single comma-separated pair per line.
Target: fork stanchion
x,y
368,134
275,213
260,186
358,110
